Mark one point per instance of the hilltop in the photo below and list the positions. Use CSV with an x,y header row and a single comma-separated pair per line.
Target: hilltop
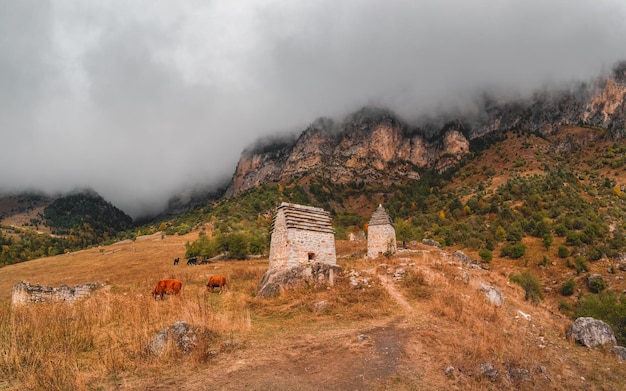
x,y
34,225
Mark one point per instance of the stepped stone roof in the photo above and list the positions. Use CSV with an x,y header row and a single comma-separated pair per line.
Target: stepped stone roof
x,y
306,218
380,217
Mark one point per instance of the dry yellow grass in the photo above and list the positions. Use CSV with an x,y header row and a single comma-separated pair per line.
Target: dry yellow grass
x,y
393,335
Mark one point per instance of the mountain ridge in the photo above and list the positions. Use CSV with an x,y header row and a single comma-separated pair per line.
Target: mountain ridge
x,y
374,144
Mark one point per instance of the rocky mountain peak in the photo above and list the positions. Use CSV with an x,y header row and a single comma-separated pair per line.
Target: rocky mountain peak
x,y
374,144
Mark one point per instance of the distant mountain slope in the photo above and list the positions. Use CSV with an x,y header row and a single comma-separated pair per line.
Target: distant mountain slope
x,y
375,145
23,210
86,212
34,225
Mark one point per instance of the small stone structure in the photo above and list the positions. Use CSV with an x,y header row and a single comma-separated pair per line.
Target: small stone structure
x,y
301,235
302,249
23,292
381,235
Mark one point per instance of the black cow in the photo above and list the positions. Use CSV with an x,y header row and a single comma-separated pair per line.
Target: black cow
x,y
176,261
192,261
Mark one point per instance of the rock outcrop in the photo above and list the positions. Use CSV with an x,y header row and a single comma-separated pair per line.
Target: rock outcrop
x,y
374,145
494,296
275,280
371,145
180,333
591,332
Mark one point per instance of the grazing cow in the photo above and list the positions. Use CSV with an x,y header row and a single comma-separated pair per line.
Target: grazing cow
x,y
216,282
192,261
167,286
176,261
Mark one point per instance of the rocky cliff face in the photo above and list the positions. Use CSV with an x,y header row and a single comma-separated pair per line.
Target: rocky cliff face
x,y
375,145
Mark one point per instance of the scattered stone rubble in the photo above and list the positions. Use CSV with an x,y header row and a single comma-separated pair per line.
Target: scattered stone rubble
x,y
359,282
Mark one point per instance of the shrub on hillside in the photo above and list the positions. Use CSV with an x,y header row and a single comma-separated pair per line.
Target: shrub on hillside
x,y
580,264
563,252
594,254
514,251
568,287
485,255
596,285
531,285
183,229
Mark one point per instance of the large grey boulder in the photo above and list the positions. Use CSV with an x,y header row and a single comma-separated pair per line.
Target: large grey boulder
x,y
591,332
180,333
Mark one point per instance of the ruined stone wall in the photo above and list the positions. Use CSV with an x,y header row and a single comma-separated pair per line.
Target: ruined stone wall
x,y
380,239
23,292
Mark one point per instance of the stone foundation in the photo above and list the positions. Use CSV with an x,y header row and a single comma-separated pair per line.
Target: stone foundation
x,y
275,280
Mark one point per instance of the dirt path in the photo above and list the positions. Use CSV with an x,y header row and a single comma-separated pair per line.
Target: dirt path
x,y
374,357
393,291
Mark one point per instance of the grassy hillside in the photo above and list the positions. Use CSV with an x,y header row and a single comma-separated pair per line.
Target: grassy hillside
x,y
389,333
537,216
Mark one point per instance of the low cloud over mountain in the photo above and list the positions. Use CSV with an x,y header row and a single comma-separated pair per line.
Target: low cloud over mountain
x,y
145,100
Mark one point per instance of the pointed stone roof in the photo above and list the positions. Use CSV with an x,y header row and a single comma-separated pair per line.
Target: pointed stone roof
x,y
307,218
380,217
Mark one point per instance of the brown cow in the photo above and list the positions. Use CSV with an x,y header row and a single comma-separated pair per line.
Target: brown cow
x,y
216,281
167,286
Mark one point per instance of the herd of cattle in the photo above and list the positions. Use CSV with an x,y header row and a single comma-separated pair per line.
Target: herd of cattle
x,y
174,287
191,261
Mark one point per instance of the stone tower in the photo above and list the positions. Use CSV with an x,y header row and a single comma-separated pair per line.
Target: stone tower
x,y
301,235
381,235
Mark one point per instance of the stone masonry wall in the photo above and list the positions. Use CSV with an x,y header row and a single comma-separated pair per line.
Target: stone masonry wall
x,y
308,247
23,292
279,246
378,239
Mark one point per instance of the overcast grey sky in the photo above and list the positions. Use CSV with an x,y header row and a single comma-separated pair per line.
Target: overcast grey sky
x,y
140,100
